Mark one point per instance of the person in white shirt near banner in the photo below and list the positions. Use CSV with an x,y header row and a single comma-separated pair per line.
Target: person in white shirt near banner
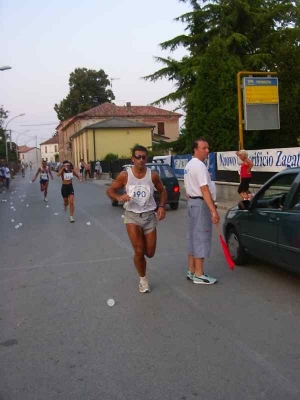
x,y
44,172
140,216
201,212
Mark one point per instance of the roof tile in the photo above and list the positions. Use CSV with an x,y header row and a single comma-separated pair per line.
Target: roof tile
x,y
111,110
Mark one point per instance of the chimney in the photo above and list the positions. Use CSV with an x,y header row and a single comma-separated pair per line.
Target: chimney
x,y
128,106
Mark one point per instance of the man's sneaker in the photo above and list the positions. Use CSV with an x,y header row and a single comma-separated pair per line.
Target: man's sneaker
x,y
144,286
189,275
72,219
45,199
204,280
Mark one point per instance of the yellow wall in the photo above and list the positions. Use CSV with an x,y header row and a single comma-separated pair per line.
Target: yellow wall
x,y
117,141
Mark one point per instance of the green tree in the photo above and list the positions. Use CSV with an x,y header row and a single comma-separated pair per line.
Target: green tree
x,y
224,37
111,157
211,104
88,88
3,117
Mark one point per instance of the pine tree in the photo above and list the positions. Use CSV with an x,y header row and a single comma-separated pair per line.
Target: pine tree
x,y
223,38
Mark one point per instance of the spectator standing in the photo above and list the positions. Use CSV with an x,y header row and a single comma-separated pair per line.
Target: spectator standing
x,y
82,168
201,213
245,174
98,169
23,170
2,179
88,170
7,176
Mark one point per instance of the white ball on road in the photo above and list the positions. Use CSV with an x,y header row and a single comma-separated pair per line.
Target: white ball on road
x,y
111,302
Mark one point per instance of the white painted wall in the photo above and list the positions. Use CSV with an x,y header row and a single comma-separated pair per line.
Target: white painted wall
x,y
33,155
48,151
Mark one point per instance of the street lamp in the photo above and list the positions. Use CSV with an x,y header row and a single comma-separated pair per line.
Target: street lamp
x,y
21,133
17,116
5,67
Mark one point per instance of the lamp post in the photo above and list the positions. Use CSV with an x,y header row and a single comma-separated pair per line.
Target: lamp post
x,y
21,133
17,116
5,67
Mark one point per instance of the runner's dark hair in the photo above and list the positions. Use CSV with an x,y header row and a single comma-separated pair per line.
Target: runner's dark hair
x,y
139,148
68,162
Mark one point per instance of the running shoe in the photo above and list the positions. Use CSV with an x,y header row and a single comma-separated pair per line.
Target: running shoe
x,y
45,199
189,275
144,286
204,279
72,219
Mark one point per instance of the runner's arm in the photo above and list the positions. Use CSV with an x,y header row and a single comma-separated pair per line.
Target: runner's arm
x,y
38,171
117,184
161,210
60,171
250,165
210,203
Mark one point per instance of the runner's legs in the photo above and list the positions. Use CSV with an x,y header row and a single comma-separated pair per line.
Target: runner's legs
x,y
70,200
46,189
142,245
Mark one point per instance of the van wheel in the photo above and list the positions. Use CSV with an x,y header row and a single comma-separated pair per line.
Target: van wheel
x,y
114,203
235,247
174,206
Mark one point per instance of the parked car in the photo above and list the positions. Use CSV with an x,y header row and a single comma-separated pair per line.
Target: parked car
x,y
57,166
52,165
169,181
267,227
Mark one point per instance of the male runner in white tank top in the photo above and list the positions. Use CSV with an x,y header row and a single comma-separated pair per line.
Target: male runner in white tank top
x,y
44,172
141,213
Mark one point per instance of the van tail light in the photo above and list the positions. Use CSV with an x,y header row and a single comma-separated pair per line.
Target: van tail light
x,y
176,189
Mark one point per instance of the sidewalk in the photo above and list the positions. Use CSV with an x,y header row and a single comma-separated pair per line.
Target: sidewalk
x,y
221,204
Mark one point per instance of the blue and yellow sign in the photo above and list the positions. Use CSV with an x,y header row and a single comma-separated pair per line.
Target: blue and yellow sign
x,y
261,90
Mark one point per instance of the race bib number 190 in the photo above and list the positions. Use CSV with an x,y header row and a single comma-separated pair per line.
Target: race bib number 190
x,y
140,194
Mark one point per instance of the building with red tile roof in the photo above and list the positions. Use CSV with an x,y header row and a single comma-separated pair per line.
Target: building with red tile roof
x,y
165,123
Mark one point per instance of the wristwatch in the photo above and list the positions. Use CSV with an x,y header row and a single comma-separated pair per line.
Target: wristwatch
x,y
164,207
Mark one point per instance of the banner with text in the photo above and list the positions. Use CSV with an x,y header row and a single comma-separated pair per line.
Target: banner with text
x,y
268,160
179,163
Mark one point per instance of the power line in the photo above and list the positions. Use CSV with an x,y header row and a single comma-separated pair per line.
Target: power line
x,y
54,123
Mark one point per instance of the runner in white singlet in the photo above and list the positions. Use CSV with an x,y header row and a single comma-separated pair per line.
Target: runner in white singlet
x,y
44,172
141,213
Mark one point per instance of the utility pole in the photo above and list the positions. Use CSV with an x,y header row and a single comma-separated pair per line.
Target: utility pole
x,y
10,138
6,150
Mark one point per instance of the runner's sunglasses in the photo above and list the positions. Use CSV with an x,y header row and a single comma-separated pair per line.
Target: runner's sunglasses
x,y
139,157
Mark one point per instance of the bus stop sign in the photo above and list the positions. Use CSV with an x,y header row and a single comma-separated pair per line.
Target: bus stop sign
x,y
261,103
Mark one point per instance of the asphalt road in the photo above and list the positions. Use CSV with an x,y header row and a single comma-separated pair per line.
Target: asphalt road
x,y
59,340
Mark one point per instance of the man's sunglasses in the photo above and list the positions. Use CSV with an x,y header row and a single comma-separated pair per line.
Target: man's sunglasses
x,y
139,157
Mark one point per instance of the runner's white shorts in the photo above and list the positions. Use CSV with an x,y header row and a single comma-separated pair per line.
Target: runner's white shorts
x,y
146,220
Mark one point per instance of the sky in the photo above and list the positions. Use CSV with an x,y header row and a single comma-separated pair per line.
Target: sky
x,y
44,42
